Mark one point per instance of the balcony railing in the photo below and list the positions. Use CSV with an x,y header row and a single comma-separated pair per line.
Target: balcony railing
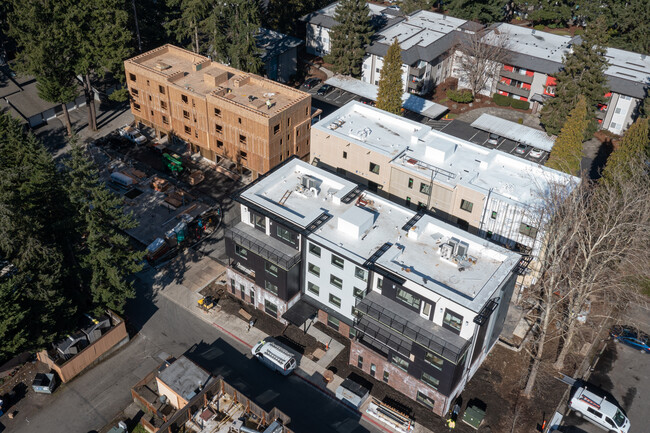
x,y
512,89
516,76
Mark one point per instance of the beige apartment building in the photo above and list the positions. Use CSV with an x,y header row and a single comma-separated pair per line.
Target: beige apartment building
x,y
217,110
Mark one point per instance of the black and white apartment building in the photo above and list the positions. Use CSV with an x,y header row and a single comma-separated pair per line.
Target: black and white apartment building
x,y
422,301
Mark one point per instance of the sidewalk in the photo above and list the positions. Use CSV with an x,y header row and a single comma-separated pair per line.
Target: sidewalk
x,y
185,293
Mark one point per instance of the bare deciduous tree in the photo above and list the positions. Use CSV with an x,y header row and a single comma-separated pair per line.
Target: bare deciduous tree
x,y
482,55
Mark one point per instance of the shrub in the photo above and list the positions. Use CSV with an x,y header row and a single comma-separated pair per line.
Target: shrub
x,y
462,96
521,105
539,27
502,101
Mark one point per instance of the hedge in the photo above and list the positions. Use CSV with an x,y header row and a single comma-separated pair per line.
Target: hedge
x,y
519,104
463,96
505,101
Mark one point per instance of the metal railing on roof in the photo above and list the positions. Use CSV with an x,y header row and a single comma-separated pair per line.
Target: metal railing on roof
x,y
263,249
406,159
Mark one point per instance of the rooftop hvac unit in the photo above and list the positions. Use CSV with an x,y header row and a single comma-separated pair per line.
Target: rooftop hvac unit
x,y
309,182
446,251
461,249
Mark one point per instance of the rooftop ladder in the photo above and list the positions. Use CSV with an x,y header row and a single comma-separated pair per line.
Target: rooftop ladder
x,y
285,197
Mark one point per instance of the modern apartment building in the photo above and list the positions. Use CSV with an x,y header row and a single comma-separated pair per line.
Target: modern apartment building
x,y
423,301
217,110
484,191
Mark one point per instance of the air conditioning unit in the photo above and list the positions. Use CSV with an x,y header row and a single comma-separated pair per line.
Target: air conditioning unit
x,y
461,249
446,251
309,182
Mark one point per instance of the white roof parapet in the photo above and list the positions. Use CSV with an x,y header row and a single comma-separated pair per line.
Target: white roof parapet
x,y
514,131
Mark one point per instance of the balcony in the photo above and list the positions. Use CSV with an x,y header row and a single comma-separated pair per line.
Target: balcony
x,y
418,70
264,246
512,89
516,76
415,85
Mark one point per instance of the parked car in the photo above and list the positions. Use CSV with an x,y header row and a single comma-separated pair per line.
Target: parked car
x,y
324,90
133,134
158,147
311,83
493,139
521,149
536,153
367,101
630,336
594,407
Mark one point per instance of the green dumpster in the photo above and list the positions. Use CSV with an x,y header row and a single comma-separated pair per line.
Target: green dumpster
x,y
473,416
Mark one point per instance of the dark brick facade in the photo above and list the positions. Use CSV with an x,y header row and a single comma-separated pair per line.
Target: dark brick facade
x,y
344,328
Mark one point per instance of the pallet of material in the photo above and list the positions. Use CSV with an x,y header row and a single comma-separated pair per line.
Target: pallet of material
x,y
174,201
159,184
196,177
230,174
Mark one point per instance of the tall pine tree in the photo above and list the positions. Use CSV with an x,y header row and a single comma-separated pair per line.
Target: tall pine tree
x,y
485,11
634,148
350,36
186,23
567,150
244,26
408,6
583,74
391,86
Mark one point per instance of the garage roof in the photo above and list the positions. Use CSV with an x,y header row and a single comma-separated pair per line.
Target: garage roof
x,y
514,131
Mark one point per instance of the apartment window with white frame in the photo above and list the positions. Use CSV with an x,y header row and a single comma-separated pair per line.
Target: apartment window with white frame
x,y
335,300
313,269
336,281
618,110
360,273
313,288
314,249
338,262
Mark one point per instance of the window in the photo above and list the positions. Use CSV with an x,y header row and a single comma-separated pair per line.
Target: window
x,y
360,361
358,293
136,107
150,97
426,401
135,92
314,249
270,308
434,360
131,77
408,201
313,288
186,114
259,221
617,111
612,125
494,215
336,281
219,143
594,412
276,129
284,234
422,205
163,105
374,168
410,182
161,89
426,310
333,322
271,269
271,287
241,251
217,112
430,380
361,274
184,98
399,362
298,133
466,205
377,70
218,128
242,139
373,370
243,155
380,282
313,269
408,298
289,121
386,376
336,301
489,235
337,261
452,321
527,230
425,188
165,120
187,129
345,155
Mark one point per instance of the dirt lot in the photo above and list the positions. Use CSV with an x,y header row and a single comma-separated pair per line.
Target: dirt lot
x,y
16,386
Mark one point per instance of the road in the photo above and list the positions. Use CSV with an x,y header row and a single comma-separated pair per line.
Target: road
x,y
92,400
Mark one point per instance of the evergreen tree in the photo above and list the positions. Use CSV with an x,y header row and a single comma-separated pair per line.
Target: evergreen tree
x,y
244,26
630,32
485,11
408,6
389,95
13,320
216,26
567,150
634,147
186,23
583,73
553,13
106,256
350,36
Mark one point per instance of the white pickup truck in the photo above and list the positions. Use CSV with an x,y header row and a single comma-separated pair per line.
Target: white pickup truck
x,y
133,134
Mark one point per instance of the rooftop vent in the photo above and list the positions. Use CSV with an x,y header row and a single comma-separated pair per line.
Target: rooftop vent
x,y
161,66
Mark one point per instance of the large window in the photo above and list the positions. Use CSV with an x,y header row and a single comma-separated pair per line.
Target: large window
x,y
241,251
408,298
434,360
313,288
358,293
336,281
399,362
260,221
374,168
314,249
386,375
270,308
452,321
527,230
271,287
333,322
284,234
313,269
271,269
361,274
423,399
337,261
425,188
410,182
466,205
335,301
430,380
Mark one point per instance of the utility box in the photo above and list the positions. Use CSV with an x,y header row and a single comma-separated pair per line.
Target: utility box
x,y
44,383
352,393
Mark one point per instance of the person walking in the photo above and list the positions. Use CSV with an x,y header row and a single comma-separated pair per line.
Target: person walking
x,y
451,424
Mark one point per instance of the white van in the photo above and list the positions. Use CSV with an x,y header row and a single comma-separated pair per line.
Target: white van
x,y
275,356
598,410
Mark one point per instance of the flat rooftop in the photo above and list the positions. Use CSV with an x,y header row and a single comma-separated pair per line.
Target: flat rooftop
x,y
184,377
534,43
207,79
420,29
360,227
628,65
